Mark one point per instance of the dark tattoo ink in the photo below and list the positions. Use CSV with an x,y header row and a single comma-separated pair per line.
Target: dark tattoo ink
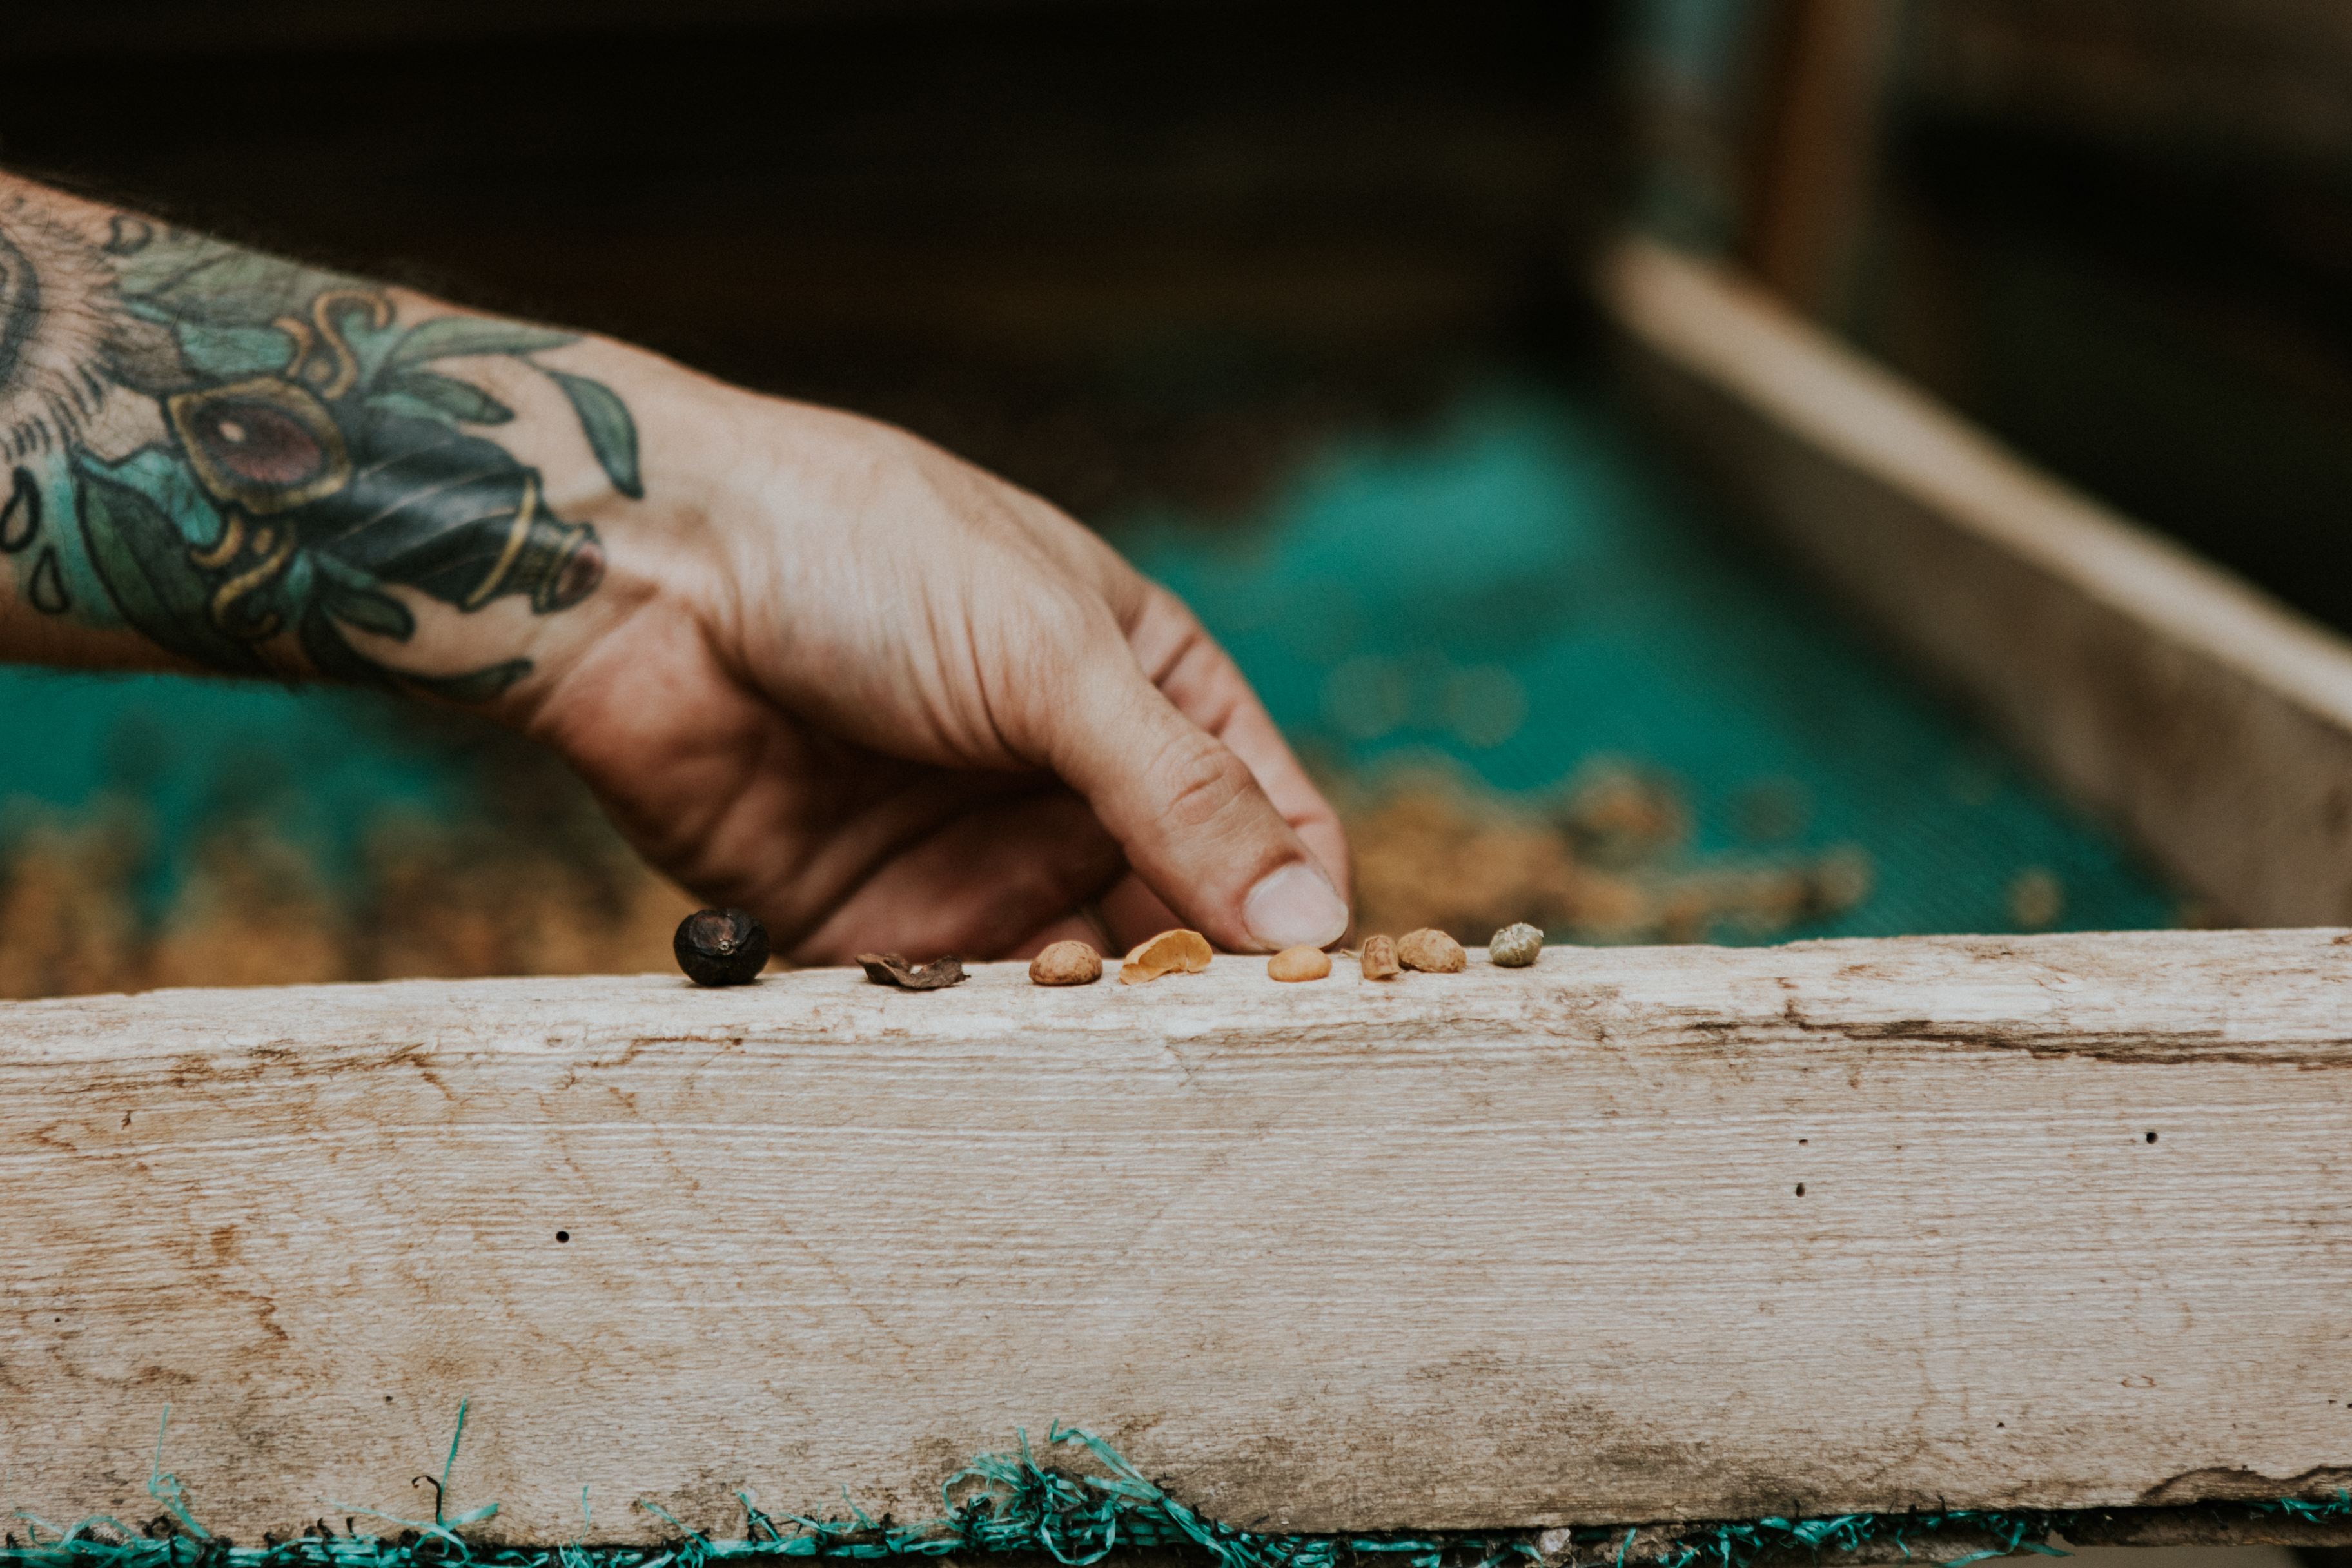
x,y
48,594
20,514
20,308
309,469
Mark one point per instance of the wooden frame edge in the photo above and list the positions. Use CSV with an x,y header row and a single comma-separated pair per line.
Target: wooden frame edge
x,y
2211,721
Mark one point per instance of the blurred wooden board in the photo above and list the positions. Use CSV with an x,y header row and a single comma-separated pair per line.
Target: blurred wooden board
x,y
2211,721
1642,1234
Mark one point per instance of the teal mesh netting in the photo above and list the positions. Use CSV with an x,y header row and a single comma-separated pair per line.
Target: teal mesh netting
x,y
1012,1502
1530,582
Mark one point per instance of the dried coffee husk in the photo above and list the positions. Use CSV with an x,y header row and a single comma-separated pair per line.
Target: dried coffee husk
x,y
1176,951
894,969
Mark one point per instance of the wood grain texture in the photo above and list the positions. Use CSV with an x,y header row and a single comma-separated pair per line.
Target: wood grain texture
x,y
2212,722
1507,1247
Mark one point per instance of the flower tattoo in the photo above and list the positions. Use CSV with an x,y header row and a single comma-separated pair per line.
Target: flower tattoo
x,y
227,452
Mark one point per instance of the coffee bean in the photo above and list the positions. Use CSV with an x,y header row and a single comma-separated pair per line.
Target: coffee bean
x,y
1066,963
1515,946
1299,964
720,947
1431,951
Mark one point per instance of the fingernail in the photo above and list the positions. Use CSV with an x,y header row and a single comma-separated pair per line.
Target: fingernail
x,y
1294,906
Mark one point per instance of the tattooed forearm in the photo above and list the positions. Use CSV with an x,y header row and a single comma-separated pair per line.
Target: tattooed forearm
x,y
265,468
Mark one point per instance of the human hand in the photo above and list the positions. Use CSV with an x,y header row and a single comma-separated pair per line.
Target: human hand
x,y
885,699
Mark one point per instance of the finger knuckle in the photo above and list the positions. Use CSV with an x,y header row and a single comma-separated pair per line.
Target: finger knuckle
x,y
1200,782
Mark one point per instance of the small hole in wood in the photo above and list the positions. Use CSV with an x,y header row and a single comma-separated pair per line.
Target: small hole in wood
x,y
2152,1137
1801,1189
1802,1142
563,1236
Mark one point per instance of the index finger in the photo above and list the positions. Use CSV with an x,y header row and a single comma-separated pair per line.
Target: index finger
x,y
1208,688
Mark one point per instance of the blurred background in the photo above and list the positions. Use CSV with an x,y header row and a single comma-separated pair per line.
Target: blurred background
x,y
1287,299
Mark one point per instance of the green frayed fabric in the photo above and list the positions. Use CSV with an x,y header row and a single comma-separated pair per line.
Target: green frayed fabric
x,y
1010,1502
999,1502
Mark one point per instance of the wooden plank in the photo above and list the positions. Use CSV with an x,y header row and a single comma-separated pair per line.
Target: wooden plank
x,y
2214,723
1505,1248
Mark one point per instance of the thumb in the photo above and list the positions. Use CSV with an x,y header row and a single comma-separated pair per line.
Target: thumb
x,y
1192,818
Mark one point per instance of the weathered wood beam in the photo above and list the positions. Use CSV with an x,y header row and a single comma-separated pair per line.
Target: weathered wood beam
x,y
1641,1234
2214,723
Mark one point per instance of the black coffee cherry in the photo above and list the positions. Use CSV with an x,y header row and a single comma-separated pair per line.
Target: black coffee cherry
x,y
721,947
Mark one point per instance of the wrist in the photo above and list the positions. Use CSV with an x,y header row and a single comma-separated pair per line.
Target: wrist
x,y
651,548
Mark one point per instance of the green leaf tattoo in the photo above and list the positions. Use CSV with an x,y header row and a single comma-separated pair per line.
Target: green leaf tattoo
x,y
448,337
612,435
320,481
432,394
139,556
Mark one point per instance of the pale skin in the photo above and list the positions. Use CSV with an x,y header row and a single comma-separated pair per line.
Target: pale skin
x,y
814,665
